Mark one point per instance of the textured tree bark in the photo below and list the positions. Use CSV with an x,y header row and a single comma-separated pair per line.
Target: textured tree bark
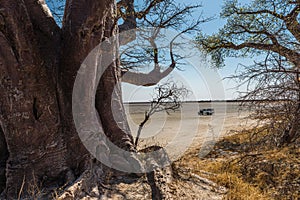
x,y
38,65
109,95
29,111
39,62
3,159
92,22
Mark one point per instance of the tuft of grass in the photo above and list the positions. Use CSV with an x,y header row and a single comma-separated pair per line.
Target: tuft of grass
x,y
31,190
225,174
238,188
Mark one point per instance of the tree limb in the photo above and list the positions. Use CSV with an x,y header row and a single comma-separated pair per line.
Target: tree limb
x,y
129,24
293,56
86,23
85,18
154,76
153,3
44,26
41,17
19,34
292,23
130,17
264,11
149,79
290,19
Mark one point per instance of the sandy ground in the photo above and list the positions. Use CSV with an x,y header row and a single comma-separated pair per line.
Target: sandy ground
x,y
184,129
177,133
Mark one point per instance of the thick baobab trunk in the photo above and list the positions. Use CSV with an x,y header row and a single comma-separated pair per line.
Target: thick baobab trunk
x,y
86,24
38,66
29,111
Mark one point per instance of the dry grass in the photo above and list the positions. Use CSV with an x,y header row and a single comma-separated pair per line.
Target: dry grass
x,y
225,175
250,169
31,190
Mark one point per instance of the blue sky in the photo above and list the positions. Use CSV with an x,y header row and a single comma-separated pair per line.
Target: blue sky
x,y
204,82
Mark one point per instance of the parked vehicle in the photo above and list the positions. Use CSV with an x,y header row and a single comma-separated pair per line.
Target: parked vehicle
x,y
206,111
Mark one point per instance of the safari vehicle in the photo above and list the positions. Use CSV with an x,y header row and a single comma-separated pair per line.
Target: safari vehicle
x,y
206,111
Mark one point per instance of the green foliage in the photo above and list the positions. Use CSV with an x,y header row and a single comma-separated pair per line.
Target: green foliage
x,y
259,27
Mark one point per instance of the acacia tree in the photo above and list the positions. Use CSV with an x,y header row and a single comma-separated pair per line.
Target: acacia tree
x,y
39,61
271,29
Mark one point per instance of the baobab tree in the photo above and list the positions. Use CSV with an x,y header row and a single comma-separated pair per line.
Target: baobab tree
x,y
39,60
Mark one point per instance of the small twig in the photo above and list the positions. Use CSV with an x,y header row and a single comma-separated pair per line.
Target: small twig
x,y
21,189
242,157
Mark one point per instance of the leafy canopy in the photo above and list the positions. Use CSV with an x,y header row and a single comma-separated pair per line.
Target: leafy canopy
x,y
262,26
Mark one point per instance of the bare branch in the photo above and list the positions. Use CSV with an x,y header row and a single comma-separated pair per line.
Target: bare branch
x,y
142,14
292,55
149,79
129,21
290,19
264,11
20,35
273,95
130,17
41,17
256,29
168,97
